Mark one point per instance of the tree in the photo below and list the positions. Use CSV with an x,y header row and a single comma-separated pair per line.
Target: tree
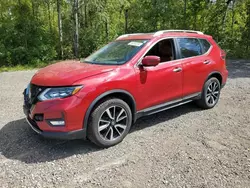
x,y
30,34
60,33
76,35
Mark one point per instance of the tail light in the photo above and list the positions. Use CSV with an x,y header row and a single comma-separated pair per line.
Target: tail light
x,y
223,55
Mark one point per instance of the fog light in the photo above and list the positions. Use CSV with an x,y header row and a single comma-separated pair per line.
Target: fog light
x,y
57,123
38,117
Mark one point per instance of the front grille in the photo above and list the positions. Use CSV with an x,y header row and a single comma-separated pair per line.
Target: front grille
x,y
35,90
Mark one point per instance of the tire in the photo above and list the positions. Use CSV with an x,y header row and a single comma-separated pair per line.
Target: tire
x,y
210,94
105,131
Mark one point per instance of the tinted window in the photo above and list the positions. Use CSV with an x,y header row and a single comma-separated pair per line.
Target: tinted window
x,y
164,49
205,44
189,47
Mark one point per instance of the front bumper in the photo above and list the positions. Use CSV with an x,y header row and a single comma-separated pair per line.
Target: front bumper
x,y
71,135
71,110
78,134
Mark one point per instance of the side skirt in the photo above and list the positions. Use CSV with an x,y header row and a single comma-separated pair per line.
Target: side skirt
x,y
167,105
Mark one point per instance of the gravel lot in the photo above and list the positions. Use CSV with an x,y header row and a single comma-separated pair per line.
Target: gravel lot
x,y
181,147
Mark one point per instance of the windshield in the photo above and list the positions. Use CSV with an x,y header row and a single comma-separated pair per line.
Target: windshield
x,y
116,53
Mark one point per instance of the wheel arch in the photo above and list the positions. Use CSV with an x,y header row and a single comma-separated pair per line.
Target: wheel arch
x,y
215,74
117,93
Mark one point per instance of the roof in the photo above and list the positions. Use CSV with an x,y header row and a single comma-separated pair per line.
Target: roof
x,y
163,33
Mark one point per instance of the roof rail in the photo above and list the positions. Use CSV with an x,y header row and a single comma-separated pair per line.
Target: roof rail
x,y
126,35
184,31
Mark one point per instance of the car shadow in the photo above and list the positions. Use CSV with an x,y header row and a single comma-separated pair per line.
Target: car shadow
x,y
20,142
151,120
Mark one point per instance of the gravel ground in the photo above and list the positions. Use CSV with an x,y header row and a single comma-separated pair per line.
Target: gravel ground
x,y
181,147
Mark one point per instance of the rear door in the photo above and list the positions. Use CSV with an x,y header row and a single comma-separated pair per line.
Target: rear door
x,y
195,63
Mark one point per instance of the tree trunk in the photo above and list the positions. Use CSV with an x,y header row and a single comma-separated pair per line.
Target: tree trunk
x,y
48,7
195,21
33,8
76,38
107,30
85,15
60,28
126,21
164,25
248,26
185,14
225,15
203,23
156,15
81,19
233,13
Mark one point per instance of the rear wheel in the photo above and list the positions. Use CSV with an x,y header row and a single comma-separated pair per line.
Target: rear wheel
x,y
110,122
210,94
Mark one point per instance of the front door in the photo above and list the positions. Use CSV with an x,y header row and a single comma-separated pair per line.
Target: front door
x,y
162,83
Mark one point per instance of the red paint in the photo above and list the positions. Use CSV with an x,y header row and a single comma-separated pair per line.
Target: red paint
x,y
149,85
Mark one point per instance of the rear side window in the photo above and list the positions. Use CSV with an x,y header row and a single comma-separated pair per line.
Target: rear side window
x,y
205,44
189,47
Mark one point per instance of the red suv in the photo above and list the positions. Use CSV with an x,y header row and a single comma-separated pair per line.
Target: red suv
x,y
100,97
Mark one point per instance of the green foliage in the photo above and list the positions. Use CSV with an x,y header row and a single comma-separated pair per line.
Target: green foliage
x,y
29,28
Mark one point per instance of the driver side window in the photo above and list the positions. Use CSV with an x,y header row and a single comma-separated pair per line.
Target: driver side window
x,y
164,49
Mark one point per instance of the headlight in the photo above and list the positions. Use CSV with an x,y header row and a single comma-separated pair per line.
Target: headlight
x,y
27,89
59,92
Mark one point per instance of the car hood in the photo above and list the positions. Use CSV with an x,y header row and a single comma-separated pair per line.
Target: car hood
x,y
65,73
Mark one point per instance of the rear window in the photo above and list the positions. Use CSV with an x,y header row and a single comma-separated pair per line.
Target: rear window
x,y
189,47
205,44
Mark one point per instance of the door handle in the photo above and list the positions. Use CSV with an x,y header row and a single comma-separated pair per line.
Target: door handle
x,y
207,62
178,69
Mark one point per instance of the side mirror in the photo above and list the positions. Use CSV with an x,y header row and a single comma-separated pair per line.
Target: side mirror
x,y
150,61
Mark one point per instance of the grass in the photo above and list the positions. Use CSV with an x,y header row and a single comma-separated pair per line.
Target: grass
x,y
24,67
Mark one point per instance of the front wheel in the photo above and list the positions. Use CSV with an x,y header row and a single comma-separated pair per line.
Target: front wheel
x,y
210,94
110,122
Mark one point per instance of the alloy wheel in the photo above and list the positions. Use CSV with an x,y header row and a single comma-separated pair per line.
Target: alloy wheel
x,y
212,94
113,123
